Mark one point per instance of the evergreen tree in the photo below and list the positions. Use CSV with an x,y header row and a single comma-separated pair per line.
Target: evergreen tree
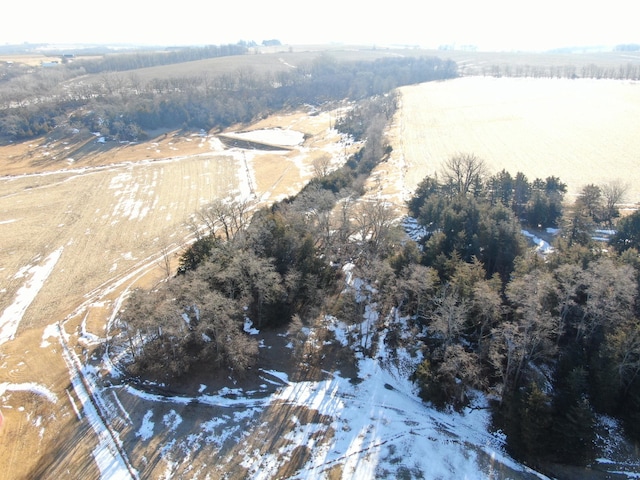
x,y
535,423
628,233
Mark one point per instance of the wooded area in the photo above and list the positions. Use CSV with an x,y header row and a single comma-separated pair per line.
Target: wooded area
x,y
122,106
554,340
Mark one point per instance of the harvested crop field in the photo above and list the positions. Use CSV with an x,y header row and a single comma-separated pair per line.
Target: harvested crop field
x,y
75,235
583,131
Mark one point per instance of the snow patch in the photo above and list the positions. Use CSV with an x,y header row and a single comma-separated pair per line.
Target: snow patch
x,y
13,314
36,388
172,420
541,245
274,136
145,432
248,327
49,331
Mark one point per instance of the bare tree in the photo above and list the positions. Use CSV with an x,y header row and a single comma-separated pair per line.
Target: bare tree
x,y
463,172
166,250
321,165
416,285
459,372
610,292
517,344
230,216
193,226
613,194
342,223
374,221
449,314
623,345
486,309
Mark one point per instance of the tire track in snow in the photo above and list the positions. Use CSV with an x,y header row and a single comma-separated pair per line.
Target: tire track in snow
x,y
111,459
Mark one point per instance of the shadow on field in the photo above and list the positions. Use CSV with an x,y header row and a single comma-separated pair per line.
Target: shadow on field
x,y
70,457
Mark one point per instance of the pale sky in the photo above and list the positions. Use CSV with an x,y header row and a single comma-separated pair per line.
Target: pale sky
x,y
489,24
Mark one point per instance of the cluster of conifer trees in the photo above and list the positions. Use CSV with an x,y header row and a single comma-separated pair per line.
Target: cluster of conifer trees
x,y
554,339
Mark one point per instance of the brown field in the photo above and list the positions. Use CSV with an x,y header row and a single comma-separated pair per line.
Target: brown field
x,y
107,215
583,131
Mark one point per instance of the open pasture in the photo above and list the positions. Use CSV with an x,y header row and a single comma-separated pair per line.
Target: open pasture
x,y
582,131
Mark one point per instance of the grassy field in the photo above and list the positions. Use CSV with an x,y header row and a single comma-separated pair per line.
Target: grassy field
x,y
583,131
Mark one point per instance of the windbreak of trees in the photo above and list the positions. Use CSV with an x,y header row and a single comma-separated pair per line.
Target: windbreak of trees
x,y
123,107
625,71
118,62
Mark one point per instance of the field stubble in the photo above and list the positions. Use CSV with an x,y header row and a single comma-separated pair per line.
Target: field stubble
x,y
109,215
582,131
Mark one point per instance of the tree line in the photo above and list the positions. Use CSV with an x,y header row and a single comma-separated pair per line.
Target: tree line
x,y
624,71
123,107
119,62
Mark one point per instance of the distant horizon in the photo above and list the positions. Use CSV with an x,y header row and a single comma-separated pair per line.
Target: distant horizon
x,y
493,25
55,46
